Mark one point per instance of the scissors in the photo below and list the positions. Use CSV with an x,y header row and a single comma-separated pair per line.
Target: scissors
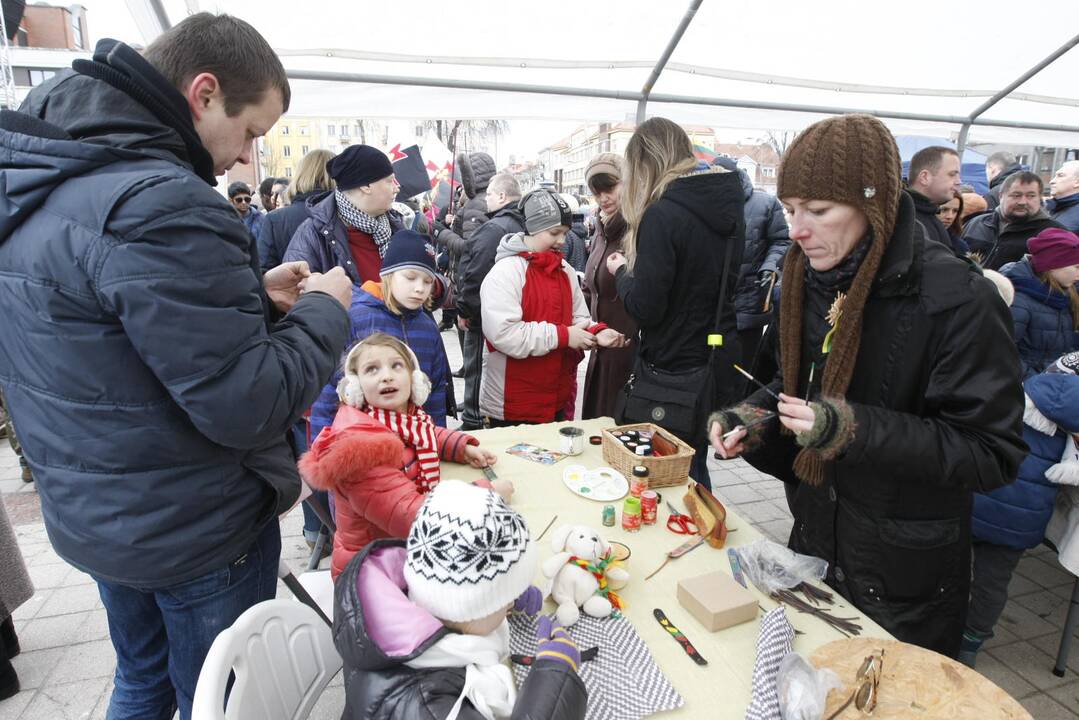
x,y
682,524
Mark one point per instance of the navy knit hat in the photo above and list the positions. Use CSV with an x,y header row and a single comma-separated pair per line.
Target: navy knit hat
x,y
409,249
359,165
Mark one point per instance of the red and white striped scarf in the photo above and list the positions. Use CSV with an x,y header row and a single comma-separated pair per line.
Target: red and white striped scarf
x,y
418,432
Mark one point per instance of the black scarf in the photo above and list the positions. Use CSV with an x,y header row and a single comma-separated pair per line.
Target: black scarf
x,y
118,65
839,278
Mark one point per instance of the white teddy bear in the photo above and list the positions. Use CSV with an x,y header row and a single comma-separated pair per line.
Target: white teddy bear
x,y
573,587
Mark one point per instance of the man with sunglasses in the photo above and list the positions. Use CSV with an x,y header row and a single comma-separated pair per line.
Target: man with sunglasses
x,y
240,196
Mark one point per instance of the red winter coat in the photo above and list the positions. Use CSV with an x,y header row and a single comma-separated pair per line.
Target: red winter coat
x,y
372,475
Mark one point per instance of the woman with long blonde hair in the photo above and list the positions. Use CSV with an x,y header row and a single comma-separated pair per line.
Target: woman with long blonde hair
x,y
312,179
681,216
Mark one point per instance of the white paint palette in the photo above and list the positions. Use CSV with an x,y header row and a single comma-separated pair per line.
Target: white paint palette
x,y
601,484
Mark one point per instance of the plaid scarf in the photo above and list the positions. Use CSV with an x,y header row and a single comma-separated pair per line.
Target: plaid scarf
x,y
378,228
418,432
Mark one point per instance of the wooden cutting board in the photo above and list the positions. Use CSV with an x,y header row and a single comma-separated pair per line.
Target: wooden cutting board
x,y
917,684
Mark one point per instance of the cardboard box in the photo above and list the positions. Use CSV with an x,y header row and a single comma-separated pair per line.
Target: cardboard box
x,y
717,600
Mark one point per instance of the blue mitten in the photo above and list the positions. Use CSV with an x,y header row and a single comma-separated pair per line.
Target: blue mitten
x,y
530,602
555,643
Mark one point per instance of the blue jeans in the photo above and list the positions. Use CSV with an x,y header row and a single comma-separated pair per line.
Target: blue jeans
x,y
162,635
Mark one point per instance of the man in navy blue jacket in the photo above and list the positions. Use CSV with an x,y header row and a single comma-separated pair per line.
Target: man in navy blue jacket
x,y
153,371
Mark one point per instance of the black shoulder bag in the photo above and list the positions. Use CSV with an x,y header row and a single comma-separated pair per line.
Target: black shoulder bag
x,y
678,402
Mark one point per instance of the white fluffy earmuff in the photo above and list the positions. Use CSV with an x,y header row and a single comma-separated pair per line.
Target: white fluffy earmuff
x,y
350,392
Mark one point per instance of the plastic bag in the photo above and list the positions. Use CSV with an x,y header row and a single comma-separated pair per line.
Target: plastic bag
x,y
802,689
772,566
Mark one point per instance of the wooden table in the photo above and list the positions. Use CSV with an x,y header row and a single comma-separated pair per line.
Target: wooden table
x,y
720,690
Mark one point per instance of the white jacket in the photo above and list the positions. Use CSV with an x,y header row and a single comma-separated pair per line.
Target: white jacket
x,y
503,328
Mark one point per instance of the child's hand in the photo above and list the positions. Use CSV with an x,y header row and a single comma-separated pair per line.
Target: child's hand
x,y
503,487
580,338
530,601
478,457
610,338
555,643
1066,473
614,262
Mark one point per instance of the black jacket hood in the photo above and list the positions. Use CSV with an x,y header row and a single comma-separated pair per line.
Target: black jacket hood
x,y
714,196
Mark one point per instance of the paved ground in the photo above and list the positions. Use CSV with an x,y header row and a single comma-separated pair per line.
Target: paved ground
x,y
67,661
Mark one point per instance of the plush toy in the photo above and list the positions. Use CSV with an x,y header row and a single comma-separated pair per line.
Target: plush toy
x,y
583,574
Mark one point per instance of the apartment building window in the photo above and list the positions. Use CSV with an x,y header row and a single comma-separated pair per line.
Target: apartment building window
x,y
331,130
284,129
768,172
76,31
304,130
31,77
355,130
304,149
288,172
286,151
22,38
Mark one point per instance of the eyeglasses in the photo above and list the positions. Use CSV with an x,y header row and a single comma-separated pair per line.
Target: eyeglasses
x,y
241,199
864,696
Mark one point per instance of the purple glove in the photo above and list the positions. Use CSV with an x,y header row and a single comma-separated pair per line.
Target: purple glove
x,y
556,644
530,602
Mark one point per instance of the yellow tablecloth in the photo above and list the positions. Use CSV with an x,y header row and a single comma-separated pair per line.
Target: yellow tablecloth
x,y
722,688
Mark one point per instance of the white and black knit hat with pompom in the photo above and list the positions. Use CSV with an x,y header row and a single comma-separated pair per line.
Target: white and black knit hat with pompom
x,y
469,554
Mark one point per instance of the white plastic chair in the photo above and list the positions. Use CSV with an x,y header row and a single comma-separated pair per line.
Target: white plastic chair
x,y
283,657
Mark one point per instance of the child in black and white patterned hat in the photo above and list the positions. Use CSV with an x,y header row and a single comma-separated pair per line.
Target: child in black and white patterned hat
x,y
423,621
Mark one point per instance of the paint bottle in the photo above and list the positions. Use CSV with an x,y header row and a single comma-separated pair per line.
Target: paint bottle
x,y
631,514
638,482
608,515
649,506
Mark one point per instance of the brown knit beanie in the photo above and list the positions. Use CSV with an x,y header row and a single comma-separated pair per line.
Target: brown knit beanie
x,y
605,163
851,159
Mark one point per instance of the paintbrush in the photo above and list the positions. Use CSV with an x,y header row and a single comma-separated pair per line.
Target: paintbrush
x,y
757,382
809,385
751,423
546,528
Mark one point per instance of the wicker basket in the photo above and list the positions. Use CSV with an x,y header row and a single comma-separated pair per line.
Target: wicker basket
x,y
665,471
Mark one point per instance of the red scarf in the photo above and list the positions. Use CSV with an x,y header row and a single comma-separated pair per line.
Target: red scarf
x,y
417,431
547,297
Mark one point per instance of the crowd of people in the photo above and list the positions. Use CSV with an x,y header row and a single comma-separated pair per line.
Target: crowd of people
x,y
176,361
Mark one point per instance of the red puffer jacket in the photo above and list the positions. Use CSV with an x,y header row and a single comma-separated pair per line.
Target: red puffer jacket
x,y
372,475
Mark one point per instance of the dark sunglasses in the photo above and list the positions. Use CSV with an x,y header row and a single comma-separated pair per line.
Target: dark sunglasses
x,y
864,696
241,199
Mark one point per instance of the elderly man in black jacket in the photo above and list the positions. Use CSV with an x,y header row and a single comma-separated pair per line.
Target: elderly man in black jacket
x,y
1000,237
154,371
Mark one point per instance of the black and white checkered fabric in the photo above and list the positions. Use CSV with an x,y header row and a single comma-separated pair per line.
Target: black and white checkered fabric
x,y
623,682
773,642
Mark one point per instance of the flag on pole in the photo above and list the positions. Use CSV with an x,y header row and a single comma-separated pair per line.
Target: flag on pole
x,y
439,160
410,170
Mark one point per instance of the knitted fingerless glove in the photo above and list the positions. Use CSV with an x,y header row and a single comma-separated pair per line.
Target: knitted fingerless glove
x,y
833,428
556,644
741,414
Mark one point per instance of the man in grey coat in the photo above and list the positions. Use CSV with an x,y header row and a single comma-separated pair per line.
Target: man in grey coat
x,y
15,589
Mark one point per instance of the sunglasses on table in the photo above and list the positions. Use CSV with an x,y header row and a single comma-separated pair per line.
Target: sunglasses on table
x,y
241,199
864,696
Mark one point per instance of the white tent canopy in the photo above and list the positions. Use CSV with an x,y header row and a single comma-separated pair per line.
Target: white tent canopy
x,y
776,65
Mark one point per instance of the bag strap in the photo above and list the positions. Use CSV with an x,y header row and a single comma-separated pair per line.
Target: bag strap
x,y
722,295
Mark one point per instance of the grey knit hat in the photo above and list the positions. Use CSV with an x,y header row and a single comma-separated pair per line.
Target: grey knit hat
x,y
544,210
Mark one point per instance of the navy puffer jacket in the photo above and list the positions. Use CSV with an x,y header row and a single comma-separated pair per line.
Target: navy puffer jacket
x,y
1044,328
152,393
1016,515
767,240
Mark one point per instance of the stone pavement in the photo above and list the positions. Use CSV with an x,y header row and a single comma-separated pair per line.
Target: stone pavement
x,y
67,662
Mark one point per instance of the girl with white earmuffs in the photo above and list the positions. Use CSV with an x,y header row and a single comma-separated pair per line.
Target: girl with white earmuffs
x,y
381,455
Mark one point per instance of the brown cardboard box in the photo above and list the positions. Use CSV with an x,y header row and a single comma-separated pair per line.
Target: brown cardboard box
x,y
716,600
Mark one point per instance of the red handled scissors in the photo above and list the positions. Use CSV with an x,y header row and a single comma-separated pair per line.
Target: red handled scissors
x,y
680,524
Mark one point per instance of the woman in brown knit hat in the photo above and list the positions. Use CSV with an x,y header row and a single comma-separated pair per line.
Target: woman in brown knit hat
x,y
608,370
905,354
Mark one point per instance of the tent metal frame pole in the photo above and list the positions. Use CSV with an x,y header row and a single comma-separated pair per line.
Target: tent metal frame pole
x,y
158,9
634,96
650,83
964,131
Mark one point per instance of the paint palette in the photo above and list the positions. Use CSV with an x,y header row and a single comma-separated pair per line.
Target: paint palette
x,y
601,484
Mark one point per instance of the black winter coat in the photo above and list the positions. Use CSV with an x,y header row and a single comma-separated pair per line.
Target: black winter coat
x,y
992,198
1065,211
999,247
382,687
938,407
153,392
767,240
673,291
277,230
925,211
480,258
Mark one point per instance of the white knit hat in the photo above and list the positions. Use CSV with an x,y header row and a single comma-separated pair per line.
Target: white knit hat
x,y
469,554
